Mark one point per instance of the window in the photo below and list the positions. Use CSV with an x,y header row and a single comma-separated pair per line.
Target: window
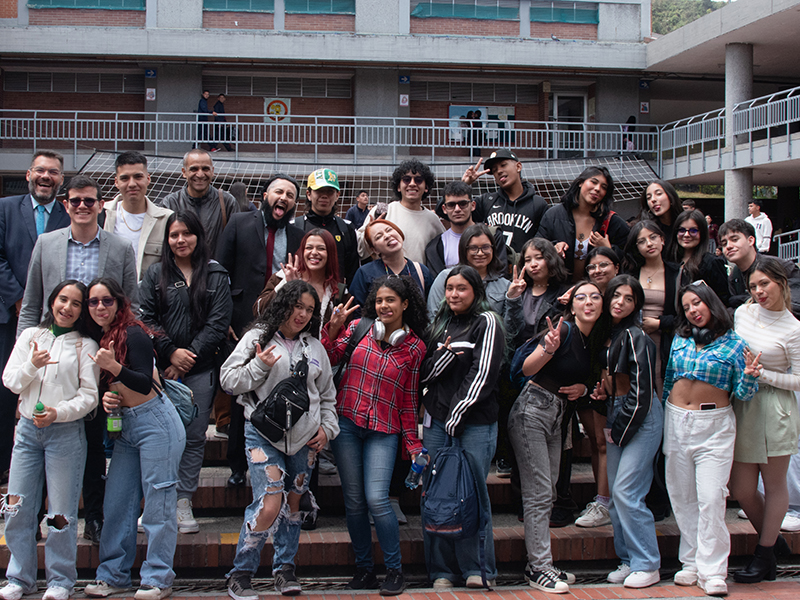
x,y
564,12
466,9
466,93
285,87
102,4
265,6
320,7
90,83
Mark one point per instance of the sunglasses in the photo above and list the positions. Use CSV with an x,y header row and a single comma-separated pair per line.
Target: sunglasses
x,y
87,202
107,301
418,179
462,204
692,231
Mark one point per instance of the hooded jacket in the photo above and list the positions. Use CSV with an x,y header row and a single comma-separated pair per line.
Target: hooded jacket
x,y
519,219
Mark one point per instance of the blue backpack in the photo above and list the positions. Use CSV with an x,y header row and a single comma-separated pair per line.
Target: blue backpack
x,y
451,507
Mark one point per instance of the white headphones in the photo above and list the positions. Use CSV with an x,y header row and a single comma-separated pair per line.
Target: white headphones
x,y
397,337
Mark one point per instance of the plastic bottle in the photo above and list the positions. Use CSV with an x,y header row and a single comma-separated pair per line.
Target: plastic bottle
x,y
415,472
114,422
38,410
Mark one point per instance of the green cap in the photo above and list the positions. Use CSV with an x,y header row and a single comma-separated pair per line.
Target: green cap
x,y
323,178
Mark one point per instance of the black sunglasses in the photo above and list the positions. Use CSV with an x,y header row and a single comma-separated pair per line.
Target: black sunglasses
x,y
418,179
107,301
88,202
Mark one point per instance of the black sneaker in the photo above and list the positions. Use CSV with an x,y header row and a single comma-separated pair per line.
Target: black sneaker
x,y
561,517
239,586
394,583
92,530
546,581
285,581
364,579
563,575
503,468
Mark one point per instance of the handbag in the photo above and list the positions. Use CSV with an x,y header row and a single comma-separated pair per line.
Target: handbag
x,y
285,405
181,397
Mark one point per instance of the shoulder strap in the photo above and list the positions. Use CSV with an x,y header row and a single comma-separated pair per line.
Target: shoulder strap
x,y
363,327
421,277
222,208
604,228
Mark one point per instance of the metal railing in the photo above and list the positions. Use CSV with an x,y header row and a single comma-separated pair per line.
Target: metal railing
x,y
788,245
314,134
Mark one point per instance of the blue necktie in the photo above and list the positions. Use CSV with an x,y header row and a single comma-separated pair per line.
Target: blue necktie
x,y
39,220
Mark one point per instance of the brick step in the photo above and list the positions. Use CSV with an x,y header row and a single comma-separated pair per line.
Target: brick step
x,y
329,545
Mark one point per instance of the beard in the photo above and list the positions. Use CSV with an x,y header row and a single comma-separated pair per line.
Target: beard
x,y
274,223
39,197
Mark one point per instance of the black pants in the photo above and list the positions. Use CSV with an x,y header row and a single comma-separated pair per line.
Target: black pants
x,y
94,477
8,399
236,457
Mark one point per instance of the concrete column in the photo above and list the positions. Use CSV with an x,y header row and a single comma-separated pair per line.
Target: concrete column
x,y
151,14
279,18
379,16
178,90
377,94
738,87
179,14
524,18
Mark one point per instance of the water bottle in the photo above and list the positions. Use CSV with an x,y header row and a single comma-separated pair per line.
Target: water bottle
x,y
38,410
114,422
415,472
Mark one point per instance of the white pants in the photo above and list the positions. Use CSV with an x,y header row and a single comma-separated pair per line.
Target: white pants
x,y
698,445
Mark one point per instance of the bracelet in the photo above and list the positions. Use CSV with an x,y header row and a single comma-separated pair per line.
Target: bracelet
x,y
546,352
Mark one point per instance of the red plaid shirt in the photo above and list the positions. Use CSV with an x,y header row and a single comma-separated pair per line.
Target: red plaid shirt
x,y
379,388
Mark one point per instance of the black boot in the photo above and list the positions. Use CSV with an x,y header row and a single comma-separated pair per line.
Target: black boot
x,y
762,566
782,547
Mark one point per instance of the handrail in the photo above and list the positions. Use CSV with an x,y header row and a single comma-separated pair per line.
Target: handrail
x,y
788,245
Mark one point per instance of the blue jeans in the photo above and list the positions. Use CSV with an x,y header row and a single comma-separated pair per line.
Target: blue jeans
x,y
285,529
204,388
59,451
630,473
449,559
145,463
365,460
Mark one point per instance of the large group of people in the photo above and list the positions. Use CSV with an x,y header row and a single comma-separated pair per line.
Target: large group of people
x,y
494,321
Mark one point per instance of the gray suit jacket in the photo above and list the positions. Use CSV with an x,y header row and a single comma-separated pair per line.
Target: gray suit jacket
x,y
48,268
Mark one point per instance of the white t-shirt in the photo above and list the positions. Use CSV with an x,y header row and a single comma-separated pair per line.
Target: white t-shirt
x,y
418,226
129,226
450,241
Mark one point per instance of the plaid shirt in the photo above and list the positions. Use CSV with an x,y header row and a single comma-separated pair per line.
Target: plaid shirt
x,y
83,260
379,388
720,363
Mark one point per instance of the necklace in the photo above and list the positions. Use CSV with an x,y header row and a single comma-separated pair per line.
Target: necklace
x,y
400,274
124,222
760,324
653,274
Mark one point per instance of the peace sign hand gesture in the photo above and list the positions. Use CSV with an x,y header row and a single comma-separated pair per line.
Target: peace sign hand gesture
x,y
340,315
517,286
552,339
471,175
292,267
752,363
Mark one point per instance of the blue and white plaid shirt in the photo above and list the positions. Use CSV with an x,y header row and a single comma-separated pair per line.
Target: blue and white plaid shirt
x,y
720,363
83,260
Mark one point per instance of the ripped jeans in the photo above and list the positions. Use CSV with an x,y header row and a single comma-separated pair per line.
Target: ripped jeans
x,y
59,451
144,464
285,530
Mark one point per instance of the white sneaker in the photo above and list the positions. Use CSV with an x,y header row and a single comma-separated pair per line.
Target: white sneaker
x,y
11,591
475,582
685,577
715,586
186,520
642,579
57,592
790,523
442,583
620,574
149,592
595,515
139,526
741,514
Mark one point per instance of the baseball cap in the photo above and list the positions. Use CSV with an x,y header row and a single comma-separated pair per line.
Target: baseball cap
x,y
499,155
323,178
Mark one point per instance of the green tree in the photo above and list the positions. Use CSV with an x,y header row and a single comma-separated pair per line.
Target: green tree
x,y
669,15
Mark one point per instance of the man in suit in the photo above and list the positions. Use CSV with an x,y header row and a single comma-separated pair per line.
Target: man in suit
x,y
252,248
22,220
81,251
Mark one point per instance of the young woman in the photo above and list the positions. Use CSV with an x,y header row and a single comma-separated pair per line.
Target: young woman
x,y
186,298
50,363
602,265
560,370
635,421
461,372
660,203
316,263
146,455
767,427
706,366
644,260
691,252
584,219
281,337
476,249
386,240
377,404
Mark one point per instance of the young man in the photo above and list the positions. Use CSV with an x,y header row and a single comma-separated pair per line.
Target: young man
x,y
213,206
514,207
322,199
456,206
358,212
412,183
132,215
761,223
737,238
221,132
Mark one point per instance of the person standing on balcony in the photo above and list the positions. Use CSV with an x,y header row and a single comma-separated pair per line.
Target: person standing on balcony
x,y
22,220
322,200
202,118
221,132
515,207
761,223
132,215
357,213
412,183
212,205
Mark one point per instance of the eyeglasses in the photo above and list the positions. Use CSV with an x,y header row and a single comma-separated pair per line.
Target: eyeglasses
x,y
485,249
602,265
87,202
594,297
653,238
42,171
692,231
418,179
107,301
462,204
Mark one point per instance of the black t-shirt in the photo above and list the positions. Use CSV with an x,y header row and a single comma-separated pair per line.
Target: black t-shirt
x,y
570,364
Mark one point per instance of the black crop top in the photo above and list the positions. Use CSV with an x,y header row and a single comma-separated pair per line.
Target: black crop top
x,y
570,364
138,374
